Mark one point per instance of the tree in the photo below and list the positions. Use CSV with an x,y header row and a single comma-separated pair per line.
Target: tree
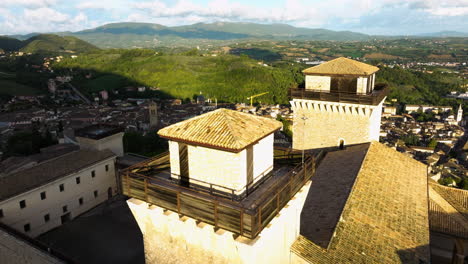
x,y
432,143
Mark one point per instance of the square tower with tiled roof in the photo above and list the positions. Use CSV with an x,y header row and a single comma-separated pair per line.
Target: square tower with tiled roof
x,y
340,105
224,148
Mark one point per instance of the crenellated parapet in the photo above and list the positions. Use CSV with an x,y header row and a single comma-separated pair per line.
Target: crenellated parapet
x,y
332,107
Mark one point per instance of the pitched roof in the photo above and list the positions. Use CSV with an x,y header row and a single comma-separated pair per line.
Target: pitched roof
x,y
325,201
48,171
385,216
223,128
342,66
448,210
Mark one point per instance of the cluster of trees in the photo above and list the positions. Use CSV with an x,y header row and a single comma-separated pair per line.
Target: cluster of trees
x,y
414,87
146,145
27,143
461,183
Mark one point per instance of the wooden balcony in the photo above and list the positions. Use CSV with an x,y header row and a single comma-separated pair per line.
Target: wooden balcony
x,y
149,181
373,98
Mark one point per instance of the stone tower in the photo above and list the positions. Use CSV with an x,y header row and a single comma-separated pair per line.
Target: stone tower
x,y
340,105
460,114
153,114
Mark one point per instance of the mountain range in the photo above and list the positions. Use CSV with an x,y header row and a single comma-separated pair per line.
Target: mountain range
x,y
147,35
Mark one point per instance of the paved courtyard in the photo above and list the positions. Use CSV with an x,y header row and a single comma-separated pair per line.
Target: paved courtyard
x,y
106,234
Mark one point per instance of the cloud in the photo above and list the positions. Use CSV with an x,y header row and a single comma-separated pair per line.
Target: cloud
x,y
28,3
42,19
45,14
93,5
367,16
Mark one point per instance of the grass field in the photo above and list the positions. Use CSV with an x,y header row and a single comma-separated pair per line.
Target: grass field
x,y
13,88
105,82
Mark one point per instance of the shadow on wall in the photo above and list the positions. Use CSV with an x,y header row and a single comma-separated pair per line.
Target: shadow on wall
x,y
107,234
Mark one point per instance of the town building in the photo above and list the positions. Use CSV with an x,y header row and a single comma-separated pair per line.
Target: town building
x,y
427,108
153,114
459,114
101,137
340,105
39,198
43,191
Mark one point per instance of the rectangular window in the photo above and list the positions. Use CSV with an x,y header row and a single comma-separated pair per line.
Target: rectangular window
x,y
27,228
95,194
65,208
43,195
46,218
77,180
22,204
93,174
62,187
80,200
1,213
107,167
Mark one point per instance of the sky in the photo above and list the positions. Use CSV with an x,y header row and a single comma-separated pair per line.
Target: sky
x,y
377,17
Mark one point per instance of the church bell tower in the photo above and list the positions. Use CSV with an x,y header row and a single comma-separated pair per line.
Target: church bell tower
x,y
340,105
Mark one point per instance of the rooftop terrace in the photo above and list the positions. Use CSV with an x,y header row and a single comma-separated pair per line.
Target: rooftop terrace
x,y
246,214
373,98
98,131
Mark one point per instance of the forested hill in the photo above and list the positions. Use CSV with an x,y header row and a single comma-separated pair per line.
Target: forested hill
x,y
10,44
231,78
228,78
147,35
47,43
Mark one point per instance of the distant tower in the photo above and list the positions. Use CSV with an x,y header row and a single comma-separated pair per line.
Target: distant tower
x,y
339,105
201,99
460,114
153,114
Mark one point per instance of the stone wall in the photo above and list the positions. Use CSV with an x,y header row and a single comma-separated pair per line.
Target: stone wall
x,y
327,123
169,238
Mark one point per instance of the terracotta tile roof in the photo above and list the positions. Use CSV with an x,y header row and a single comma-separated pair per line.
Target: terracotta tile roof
x,y
342,66
223,128
385,218
325,201
48,171
448,210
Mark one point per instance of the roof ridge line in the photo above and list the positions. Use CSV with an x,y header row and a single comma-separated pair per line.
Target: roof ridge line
x,y
236,138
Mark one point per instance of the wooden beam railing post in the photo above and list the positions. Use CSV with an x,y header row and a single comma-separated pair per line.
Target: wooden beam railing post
x,y
277,201
129,184
242,221
178,202
216,214
146,189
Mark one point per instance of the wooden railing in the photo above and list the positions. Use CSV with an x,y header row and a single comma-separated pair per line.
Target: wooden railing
x,y
374,98
245,218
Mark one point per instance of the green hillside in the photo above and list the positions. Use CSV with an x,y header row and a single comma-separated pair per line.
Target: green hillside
x,y
46,43
10,44
54,43
231,78
228,78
